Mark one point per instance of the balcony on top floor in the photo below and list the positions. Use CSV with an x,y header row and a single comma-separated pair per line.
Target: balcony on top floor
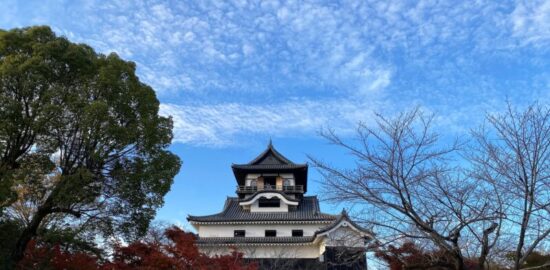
x,y
286,189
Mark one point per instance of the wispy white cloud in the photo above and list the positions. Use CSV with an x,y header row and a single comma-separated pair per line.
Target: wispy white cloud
x,y
531,22
225,124
226,69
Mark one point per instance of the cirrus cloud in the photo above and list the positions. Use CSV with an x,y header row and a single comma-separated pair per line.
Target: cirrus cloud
x,y
229,69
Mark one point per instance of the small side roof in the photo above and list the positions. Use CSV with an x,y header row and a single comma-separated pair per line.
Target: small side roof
x,y
341,218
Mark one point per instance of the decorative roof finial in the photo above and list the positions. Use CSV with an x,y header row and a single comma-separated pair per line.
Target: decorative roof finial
x,y
270,142
344,212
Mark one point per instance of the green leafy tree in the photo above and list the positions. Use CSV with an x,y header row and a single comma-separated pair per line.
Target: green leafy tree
x,y
81,140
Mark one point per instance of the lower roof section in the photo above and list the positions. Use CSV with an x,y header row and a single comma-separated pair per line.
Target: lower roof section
x,y
307,210
354,231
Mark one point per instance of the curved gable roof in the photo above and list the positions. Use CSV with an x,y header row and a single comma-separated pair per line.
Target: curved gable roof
x,y
258,195
307,210
270,157
343,217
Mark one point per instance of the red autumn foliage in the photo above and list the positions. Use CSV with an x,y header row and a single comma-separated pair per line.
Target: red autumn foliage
x,y
53,257
410,256
178,251
397,257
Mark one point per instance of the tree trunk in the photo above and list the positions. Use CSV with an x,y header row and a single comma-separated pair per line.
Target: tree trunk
x,y
28,233
459,263
485,245
459,260
523,230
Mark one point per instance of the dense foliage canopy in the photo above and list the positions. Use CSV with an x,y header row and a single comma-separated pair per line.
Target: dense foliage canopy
x,y
82,144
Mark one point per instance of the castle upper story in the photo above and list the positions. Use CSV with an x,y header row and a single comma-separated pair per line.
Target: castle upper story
x,y
270,182
271,171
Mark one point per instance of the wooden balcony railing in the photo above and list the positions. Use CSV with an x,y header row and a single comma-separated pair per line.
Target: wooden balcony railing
x,y
252,189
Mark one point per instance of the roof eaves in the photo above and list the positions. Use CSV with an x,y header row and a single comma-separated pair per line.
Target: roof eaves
x,y
269,166
225,208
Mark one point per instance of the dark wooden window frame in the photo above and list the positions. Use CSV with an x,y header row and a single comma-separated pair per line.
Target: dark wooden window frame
x,y
270,233
297,233
270,181
269,203
239,233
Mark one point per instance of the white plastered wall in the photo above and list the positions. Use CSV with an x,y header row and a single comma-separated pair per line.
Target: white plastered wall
x,y
257,230
344,236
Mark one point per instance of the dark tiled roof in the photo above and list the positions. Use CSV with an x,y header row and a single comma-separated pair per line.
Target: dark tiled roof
x,y
253,240
341,217
270,157
307,210
269,166
271,161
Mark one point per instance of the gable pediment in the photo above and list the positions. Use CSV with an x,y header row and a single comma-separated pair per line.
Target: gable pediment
x,y
270,157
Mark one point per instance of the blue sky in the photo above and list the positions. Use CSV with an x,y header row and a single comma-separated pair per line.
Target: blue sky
x,y
233,74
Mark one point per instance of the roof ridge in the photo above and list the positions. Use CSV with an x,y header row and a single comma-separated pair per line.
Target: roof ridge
x,y
276,154
226,204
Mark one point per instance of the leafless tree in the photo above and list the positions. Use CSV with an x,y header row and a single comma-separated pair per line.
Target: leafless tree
x,y
512,153
404,181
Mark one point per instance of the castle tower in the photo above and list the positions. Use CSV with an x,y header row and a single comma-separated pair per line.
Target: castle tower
x,y
271,218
